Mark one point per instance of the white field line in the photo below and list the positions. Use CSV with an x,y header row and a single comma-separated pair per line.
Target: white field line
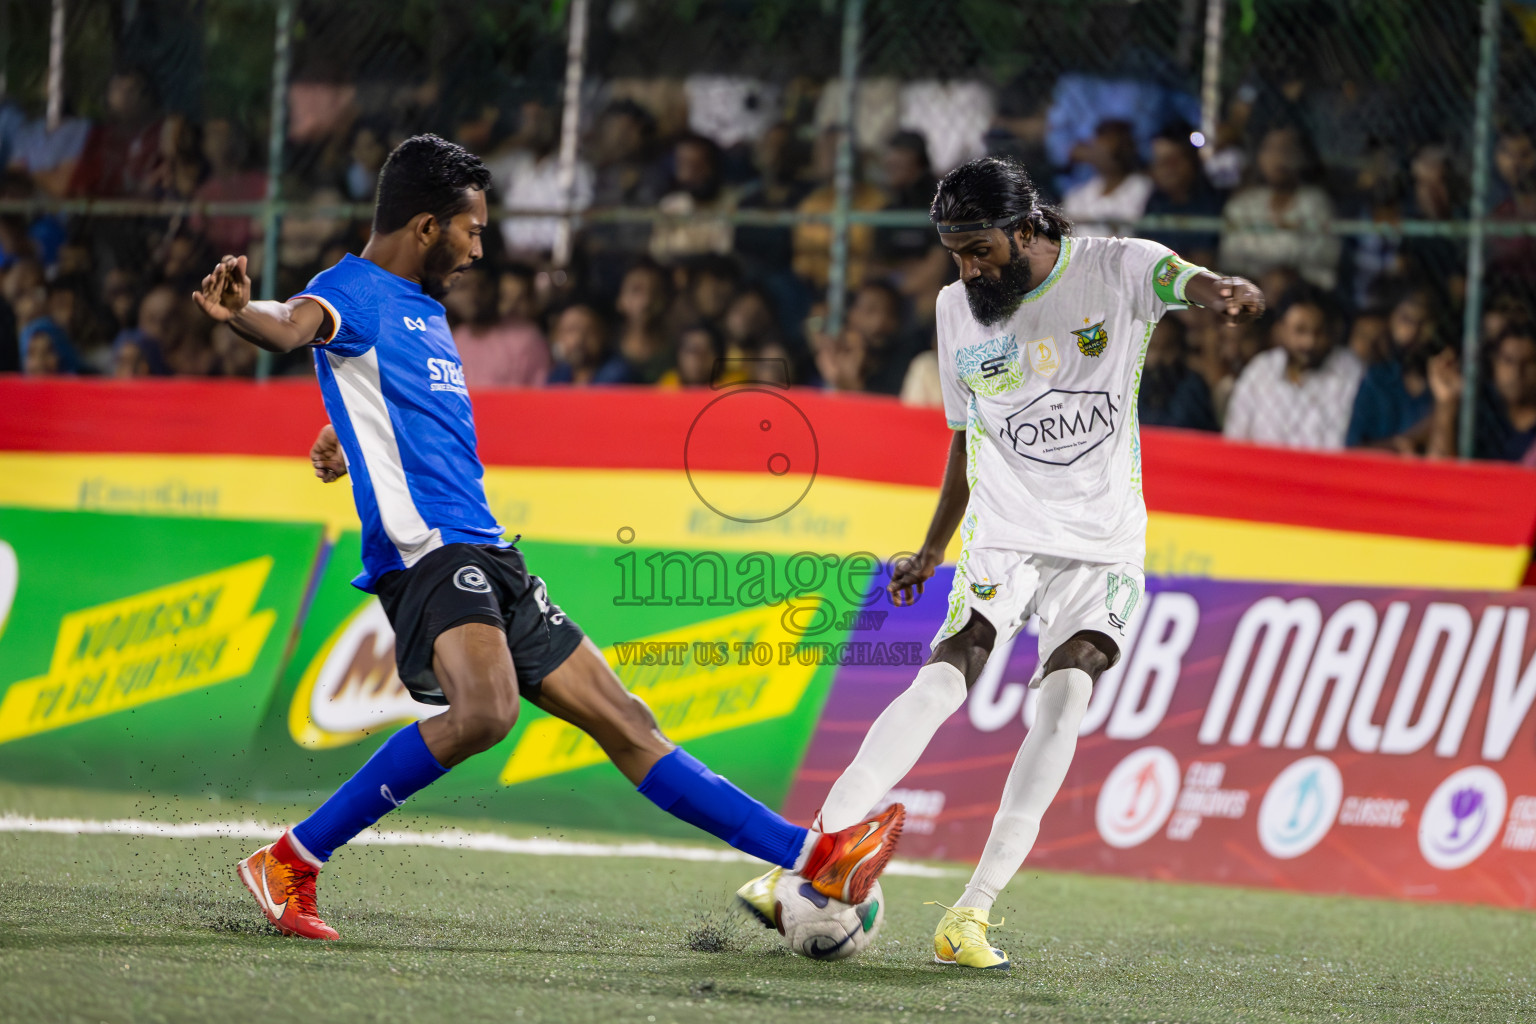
x,y
451,839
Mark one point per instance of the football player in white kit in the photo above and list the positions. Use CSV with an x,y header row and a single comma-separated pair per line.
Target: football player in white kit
x,y
1041,344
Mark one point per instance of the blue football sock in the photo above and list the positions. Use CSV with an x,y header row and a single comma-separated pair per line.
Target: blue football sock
x,y
680,785
399,768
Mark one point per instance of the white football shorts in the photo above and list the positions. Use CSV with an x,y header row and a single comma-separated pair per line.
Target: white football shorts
x,y
1006,587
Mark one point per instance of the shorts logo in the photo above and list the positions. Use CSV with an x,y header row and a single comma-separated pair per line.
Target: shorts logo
x,y
991,367
1124,587
472,579
1093,339
985,591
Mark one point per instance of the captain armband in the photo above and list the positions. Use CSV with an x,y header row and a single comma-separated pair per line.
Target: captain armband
x,y
1170,278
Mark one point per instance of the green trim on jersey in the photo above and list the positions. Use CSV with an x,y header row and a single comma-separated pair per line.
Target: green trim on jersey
x,y
1062,259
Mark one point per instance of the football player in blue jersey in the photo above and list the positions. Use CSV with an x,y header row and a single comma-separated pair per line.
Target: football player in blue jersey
x,y
473,629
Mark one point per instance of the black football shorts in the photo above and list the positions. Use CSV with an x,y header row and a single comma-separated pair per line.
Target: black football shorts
x,y
461,583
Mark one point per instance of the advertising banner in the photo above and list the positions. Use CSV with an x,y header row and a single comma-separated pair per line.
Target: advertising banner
x,y
139,651
720,667
1369,741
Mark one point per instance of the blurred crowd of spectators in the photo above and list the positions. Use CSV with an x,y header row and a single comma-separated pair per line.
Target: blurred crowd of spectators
x,y
1360,347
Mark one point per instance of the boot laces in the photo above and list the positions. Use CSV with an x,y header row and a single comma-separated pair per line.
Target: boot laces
x,y
301,889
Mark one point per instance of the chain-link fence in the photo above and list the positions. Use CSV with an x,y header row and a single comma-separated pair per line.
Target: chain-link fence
x,y
760,171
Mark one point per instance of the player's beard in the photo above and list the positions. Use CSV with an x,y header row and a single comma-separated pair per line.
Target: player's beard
x,y
439,263
992,302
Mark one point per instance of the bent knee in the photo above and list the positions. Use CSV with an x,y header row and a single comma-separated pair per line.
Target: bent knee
x,y
1084,653
485,726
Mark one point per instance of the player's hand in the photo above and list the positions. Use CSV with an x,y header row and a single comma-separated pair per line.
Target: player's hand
x,y
1241,300
325,455
1445,380
226,291
908,577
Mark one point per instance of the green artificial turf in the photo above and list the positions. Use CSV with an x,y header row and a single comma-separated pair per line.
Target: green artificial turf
x,y
118,928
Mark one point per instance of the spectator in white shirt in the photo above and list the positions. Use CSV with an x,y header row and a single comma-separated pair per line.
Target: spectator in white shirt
x,y
1300,393
1281,220
527,177
1116,196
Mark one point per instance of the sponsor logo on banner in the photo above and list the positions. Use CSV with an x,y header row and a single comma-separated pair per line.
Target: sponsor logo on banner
x,y
148,647
1462,818
352,688
710,692
1300,807
1137,797
9,576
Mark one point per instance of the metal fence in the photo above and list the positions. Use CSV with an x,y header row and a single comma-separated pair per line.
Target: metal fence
x,y
829,108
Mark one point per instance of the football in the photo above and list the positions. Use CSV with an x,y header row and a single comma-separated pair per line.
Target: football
x,y
820,927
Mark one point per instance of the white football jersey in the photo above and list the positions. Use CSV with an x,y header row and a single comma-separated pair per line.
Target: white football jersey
x,y
1049,401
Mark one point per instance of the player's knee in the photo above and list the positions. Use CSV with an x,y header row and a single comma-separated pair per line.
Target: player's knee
x,y
488,723
1092,653
969,649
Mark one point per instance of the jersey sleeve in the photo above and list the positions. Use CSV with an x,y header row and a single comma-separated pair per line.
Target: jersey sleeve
x,y
1155,276
351,310
957,394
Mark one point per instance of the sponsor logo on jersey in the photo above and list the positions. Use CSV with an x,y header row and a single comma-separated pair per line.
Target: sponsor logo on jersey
x,y
446,375
414,323
1061,427
990,367
985,591
1042,356
1093,339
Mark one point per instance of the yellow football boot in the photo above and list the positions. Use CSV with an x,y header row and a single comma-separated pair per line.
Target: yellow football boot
x,y
961,938
756,897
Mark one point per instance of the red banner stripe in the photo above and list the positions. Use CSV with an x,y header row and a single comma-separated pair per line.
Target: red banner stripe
x,y
860,437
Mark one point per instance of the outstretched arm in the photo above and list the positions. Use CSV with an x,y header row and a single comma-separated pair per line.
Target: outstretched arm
x,y
1236,298
274,326
910,574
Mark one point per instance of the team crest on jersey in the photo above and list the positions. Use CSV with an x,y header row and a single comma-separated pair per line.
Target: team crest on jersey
x,y
991,367
1093,339
985,591
1042,356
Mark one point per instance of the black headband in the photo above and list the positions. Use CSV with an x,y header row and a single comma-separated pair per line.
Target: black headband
x,y
980,225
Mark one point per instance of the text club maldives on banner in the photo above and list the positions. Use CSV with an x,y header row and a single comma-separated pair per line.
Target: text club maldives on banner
x,y
1370,741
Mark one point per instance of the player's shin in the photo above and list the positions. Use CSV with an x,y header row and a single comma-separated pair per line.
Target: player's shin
x,y
685,788
1033,781
894,743
399,768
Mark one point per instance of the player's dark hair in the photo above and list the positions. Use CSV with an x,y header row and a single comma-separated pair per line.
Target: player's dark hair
x,y
426,174
997,190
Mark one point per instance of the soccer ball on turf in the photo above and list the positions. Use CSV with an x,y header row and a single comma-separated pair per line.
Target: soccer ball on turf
x,y
822,928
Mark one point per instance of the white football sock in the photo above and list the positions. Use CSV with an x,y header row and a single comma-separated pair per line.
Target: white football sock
x,y
893,744
1033,782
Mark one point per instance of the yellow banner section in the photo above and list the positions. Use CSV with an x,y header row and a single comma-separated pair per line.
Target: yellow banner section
x,y
143,648
838,516
679,675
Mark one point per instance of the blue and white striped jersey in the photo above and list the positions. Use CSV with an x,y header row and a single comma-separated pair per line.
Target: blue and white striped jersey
x,y
394,389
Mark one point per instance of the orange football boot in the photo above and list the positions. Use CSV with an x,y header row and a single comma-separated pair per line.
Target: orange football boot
x,y
282,879
845,864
